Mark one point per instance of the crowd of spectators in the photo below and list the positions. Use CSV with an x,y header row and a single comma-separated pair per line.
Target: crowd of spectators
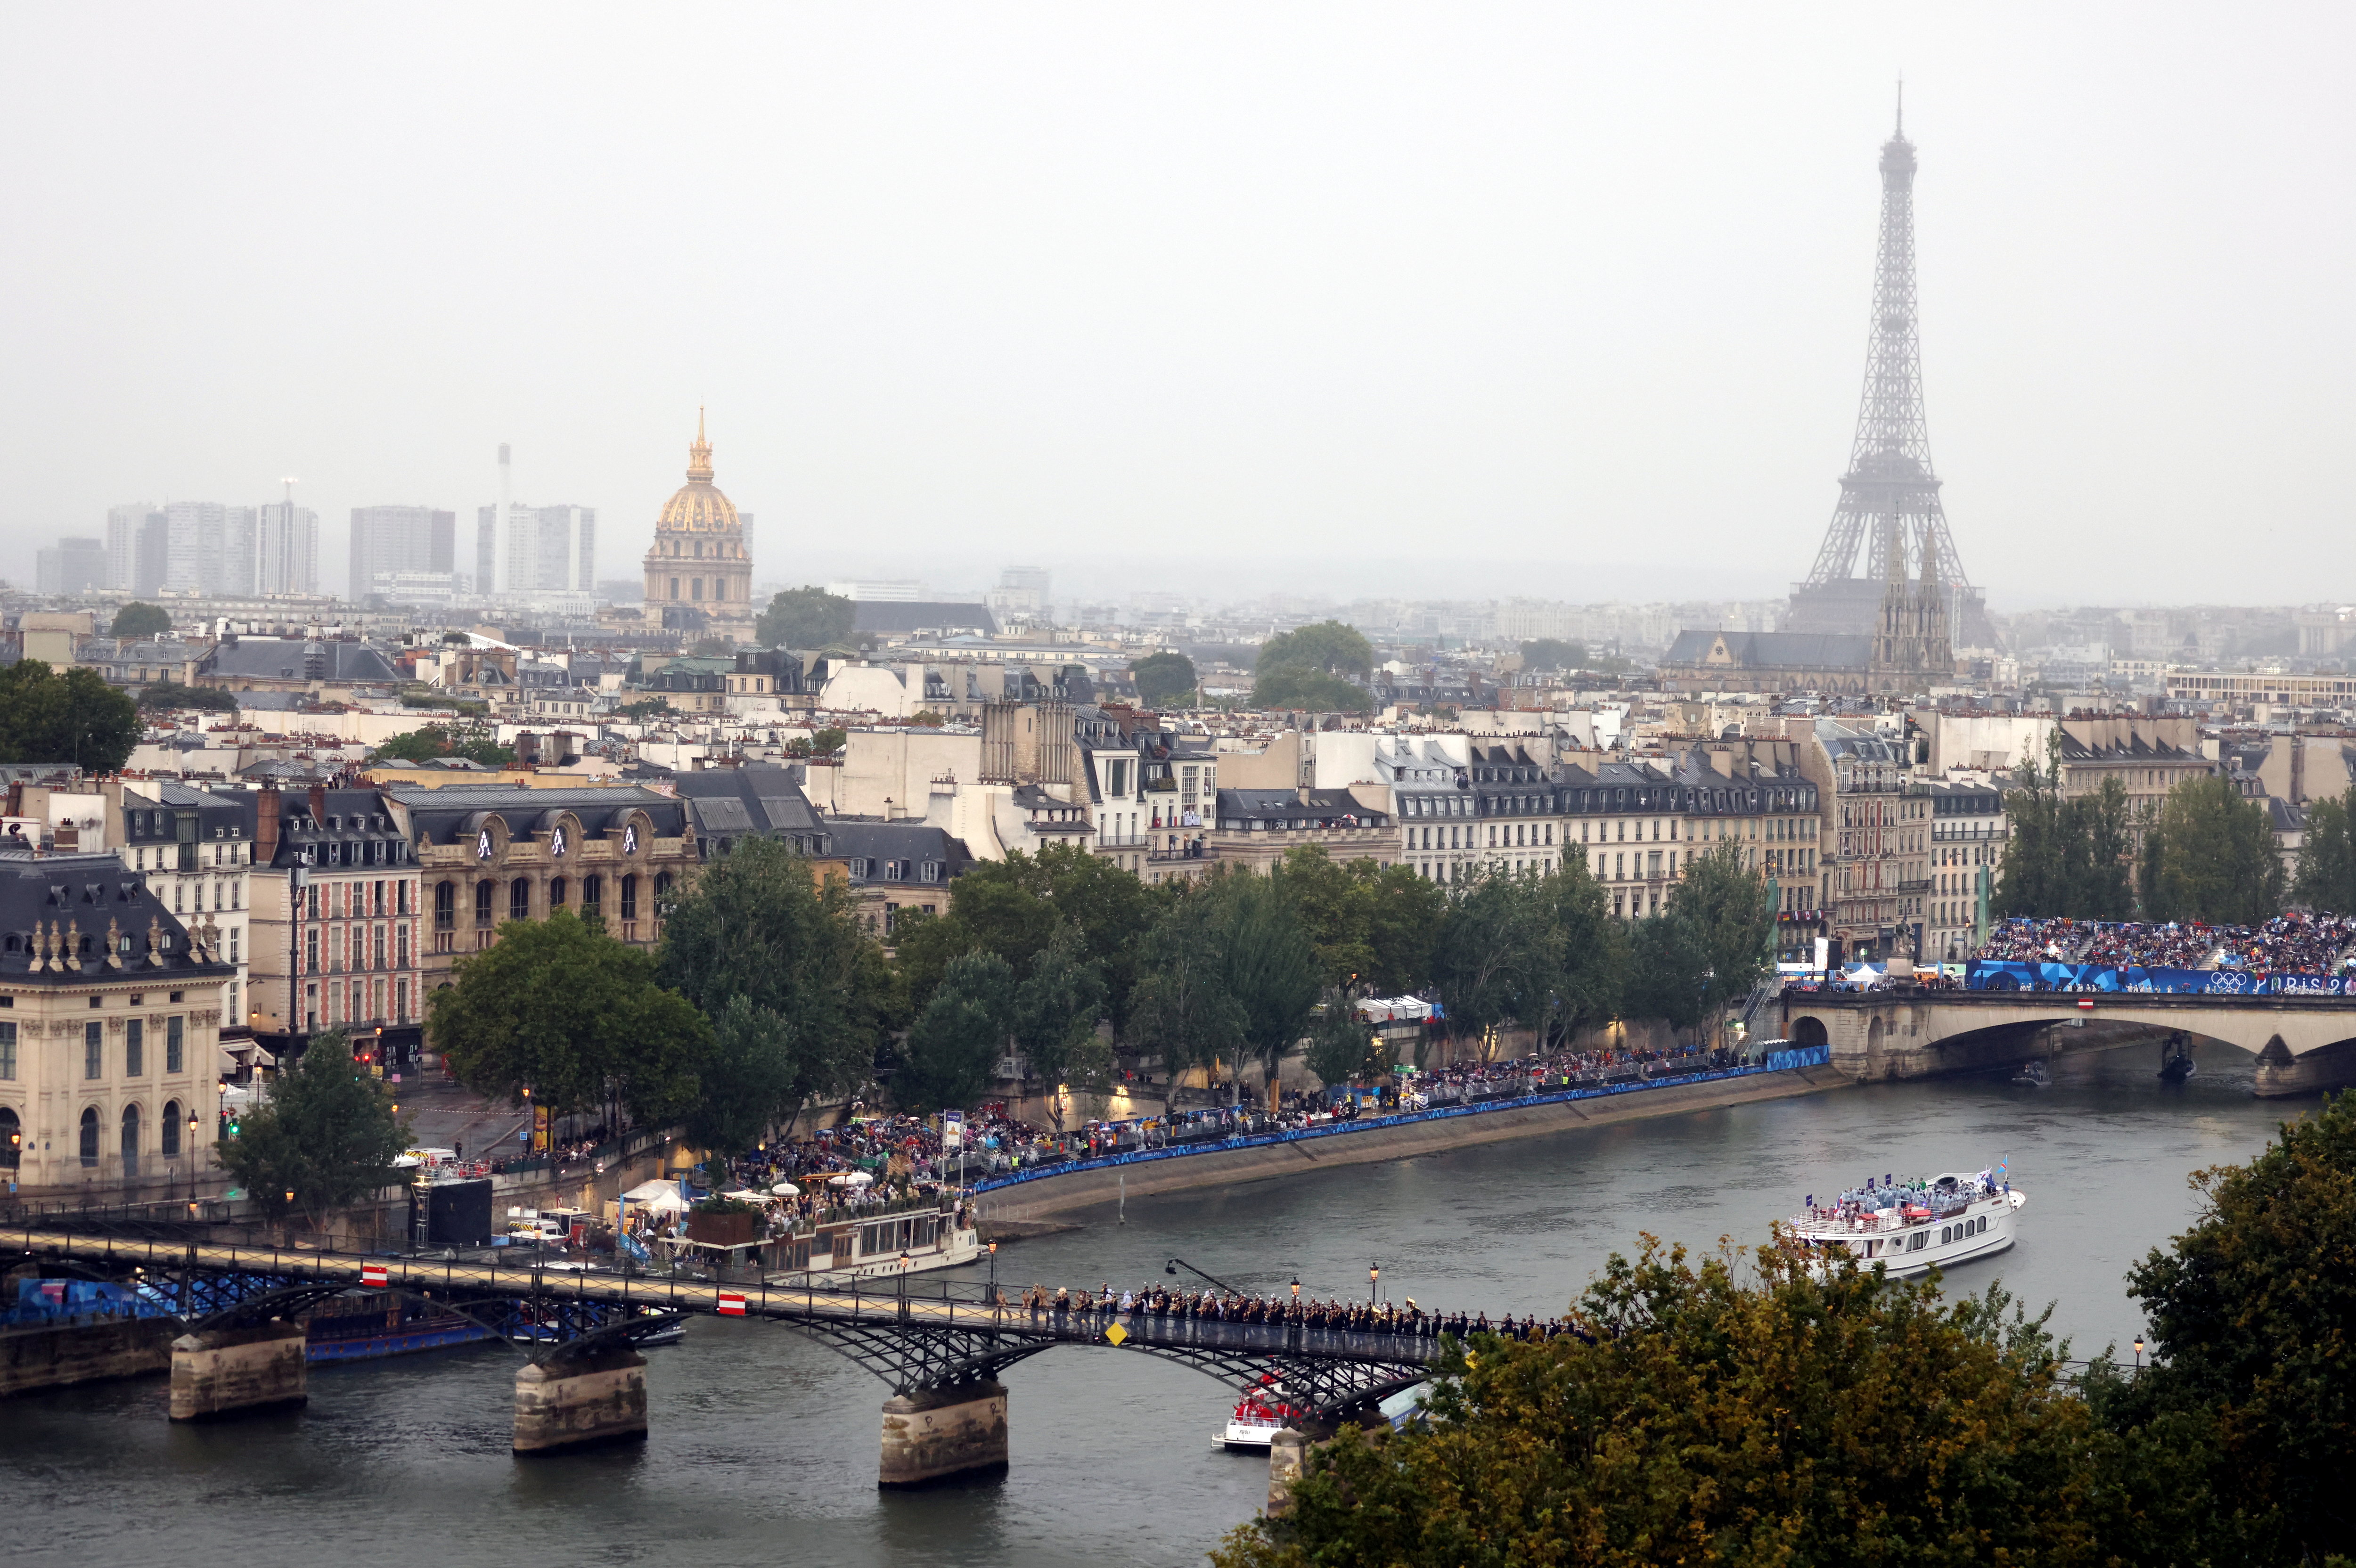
x,y
2292,944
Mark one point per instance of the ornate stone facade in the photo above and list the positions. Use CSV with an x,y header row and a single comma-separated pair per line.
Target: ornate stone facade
x,y
699,571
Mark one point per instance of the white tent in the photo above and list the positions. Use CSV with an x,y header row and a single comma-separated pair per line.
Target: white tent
x,y
661,1195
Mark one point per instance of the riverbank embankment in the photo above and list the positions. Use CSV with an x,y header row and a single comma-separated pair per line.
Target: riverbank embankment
x,y
1062,1192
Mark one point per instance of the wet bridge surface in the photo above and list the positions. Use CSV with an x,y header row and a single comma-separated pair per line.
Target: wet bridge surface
x,y
914,1335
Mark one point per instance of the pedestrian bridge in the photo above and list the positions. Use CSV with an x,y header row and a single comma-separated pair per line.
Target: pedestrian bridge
x,y
939,1345
2302,1043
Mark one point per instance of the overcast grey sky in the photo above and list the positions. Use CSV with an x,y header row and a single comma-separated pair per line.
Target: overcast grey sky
x,y
1567,300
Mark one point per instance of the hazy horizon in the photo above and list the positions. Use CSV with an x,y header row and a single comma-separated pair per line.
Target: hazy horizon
x,y
1372,301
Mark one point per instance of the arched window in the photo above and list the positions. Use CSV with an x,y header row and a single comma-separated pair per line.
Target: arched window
x,y
90,1137
556,894
662,892
12,1139
593,897
168,1135
630,897
445,905
519,898
485,900
130,1138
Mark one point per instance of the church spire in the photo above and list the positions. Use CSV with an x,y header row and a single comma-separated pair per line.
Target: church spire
x,y
699,453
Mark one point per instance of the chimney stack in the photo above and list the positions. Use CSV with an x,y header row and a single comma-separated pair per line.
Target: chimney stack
x,y
265,825
318,805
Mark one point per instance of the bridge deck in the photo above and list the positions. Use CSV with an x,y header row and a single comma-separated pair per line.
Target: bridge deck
x,y
984,1330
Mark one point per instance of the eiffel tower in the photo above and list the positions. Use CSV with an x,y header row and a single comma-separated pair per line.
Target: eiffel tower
x,y
1890,496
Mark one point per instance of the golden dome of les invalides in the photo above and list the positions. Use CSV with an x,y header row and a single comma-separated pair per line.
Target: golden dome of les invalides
x,y
698,561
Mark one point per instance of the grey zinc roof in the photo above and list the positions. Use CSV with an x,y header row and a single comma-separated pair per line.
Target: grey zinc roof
x,y
1775,650
86,891
286,658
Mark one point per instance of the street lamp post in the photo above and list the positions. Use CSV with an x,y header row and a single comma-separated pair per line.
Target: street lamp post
x,y
1373,1277
2138,1355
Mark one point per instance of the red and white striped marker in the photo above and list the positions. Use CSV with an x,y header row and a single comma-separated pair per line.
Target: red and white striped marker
x,y
373,1273
731,1305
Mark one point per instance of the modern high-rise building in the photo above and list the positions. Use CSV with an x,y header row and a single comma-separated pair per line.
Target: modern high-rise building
x,y
150,554
122,526
241,539
533,549
387,540
71,566
286,549
196,546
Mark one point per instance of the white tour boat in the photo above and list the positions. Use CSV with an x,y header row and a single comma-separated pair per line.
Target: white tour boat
x,y
1259,1416
1910,1227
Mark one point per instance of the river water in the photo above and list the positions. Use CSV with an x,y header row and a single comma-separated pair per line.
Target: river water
x,y
764,1445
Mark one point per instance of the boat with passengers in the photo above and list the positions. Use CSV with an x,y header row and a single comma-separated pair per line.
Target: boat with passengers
x,y
1917,1225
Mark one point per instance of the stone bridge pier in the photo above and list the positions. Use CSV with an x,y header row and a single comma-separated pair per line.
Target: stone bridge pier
x,y
2303,1044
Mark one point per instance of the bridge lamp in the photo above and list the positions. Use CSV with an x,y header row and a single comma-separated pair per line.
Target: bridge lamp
x,y
2139,1352
1373,1276
1296,1290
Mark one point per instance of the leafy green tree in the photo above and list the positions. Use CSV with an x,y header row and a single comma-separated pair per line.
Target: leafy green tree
x,y
472,742
1552,653
1668,961
1835,1420
2070,857
1164,680
166,695
328,1133
2249,1389
1371,925
1328,646
1182,1010
70,718
1309,690
1055,1011
1012,907
140,621
1304,669
958,1037
1341,1048
805,617
2210,855
747,1084
762,927
2326,860
1493,956
1586,950
558,1007
1733,926
1272,968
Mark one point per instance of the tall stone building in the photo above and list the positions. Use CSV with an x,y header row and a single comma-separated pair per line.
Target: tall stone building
x,y
699,573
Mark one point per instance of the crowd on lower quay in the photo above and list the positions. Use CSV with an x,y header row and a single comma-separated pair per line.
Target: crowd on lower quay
x,y
1159,1305
850,1166
2294,943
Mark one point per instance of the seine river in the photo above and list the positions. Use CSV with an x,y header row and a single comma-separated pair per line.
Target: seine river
x,y
764,1445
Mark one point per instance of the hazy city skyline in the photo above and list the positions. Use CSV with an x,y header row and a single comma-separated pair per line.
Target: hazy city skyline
x,y
1317,300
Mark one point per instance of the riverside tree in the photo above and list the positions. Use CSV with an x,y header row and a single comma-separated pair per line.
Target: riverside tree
x,y
1183,1011
2209,855
957,1040
2066,857
1370,925
1720,1411
2248,1408
2326,860
1054,1015
326,1137
760,926
558,1009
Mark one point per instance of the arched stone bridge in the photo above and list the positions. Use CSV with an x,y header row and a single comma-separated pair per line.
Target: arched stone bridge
x,y
2302,1043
